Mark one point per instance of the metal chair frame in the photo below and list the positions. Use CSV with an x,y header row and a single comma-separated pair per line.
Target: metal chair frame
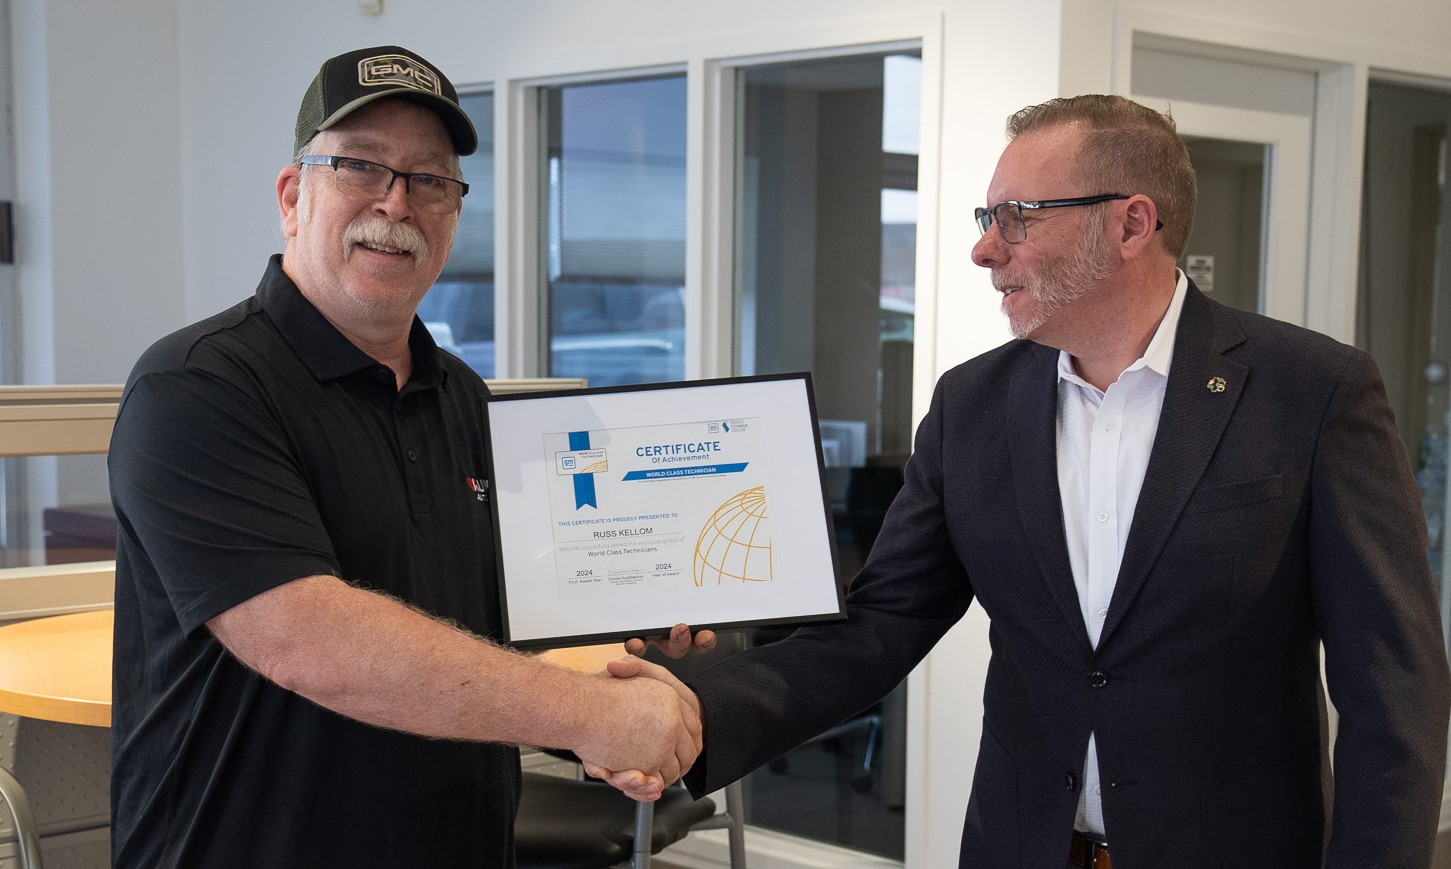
x,y
733,820
26,837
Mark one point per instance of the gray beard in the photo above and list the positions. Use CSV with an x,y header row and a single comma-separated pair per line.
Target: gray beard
x,y
1064,281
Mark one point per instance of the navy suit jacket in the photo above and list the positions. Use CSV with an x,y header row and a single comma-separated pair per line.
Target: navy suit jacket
x,y
1278,511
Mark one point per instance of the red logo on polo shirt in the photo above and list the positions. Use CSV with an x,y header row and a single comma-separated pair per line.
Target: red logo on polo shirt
x,y
479,486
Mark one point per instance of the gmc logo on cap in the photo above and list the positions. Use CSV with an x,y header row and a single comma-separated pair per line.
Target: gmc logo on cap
x,y
397,69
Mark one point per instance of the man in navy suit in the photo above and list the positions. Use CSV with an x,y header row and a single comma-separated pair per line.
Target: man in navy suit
x,y
1165,506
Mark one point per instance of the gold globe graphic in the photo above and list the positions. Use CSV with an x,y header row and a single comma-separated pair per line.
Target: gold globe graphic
x,y
735,544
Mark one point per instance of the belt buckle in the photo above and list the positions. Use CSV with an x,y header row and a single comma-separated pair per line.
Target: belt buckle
x,y
1095,847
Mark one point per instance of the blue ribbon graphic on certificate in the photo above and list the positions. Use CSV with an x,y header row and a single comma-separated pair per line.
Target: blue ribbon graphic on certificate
x,y
660,508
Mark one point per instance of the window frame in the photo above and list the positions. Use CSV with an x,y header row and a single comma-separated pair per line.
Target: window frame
x,y
55,421
521,286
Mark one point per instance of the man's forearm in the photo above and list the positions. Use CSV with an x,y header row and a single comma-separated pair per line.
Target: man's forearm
x,y
375,659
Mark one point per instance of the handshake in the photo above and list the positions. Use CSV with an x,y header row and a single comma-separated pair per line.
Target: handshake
x,y
647,731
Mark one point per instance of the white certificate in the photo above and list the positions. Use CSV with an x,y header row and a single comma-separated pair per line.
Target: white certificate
x,y
622,511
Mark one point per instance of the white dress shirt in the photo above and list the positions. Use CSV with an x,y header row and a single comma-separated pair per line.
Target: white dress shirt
x,y
1104,441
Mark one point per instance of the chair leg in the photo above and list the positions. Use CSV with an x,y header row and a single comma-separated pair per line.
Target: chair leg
x,y
862,781
736,808
28,841
644,832
874,735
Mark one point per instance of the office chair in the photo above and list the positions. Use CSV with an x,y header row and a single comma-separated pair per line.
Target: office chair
x,y
585,824
26,839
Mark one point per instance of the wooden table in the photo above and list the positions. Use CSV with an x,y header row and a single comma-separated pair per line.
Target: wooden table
x,y
58,668
585,659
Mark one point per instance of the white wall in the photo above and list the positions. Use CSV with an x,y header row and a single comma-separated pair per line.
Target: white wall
x,y
1403,35
98,222
151,133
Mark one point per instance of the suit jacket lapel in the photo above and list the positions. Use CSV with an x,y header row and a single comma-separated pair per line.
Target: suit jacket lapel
x,y
1033,454
1201,394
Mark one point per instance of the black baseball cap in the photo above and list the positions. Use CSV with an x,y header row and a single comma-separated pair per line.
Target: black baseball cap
x,y
350,81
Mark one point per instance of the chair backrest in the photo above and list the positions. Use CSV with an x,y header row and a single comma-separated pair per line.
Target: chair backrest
x,y
567,823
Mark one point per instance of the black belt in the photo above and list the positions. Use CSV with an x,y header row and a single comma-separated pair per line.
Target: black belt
x,y
1088,852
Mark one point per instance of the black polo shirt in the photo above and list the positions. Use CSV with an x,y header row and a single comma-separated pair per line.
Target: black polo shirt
x,y
251,449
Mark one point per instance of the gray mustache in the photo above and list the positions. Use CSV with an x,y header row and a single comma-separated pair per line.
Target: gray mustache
x,y
383,233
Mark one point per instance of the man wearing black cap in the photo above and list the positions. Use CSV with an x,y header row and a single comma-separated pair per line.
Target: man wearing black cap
x,y
305,569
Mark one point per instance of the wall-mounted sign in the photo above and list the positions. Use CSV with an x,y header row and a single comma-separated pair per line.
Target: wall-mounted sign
x,y
1200,269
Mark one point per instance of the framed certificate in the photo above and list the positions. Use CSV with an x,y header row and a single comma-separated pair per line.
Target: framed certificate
x,y
621,511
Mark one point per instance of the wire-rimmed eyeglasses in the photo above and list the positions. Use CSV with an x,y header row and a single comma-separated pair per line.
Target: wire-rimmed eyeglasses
x,y
1008,215
368,180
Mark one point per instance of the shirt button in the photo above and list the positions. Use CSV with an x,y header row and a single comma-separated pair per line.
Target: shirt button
x,y
1101,516
1098,791
1097,679
1103,613
1108,426
383,374
412,456
1071,781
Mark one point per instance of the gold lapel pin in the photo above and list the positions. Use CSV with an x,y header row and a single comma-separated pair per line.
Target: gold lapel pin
x,y
1216,384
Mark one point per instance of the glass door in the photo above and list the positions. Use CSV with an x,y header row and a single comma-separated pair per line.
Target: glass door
x,y
825,251
1225,253
1404,299
1251,229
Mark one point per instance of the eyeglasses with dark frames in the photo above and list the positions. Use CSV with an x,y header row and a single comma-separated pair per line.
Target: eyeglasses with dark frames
x,y
368,180
1008,215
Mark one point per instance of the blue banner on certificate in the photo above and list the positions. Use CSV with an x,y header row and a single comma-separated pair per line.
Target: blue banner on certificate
x,y
622,511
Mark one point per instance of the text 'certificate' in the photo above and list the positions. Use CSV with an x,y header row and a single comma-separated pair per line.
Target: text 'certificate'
x,y
622,511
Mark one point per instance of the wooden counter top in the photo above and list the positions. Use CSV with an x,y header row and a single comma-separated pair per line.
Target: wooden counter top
x,y
58,668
